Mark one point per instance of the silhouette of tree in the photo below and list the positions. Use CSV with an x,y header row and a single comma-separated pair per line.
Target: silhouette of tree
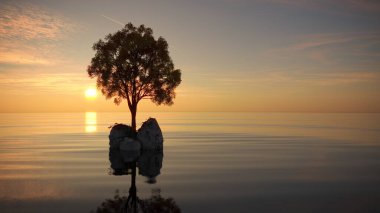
x,y
131,64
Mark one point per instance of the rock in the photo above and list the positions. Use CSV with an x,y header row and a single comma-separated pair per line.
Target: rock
x,y
150,135
118,133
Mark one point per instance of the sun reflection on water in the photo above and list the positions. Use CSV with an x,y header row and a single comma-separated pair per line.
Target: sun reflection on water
x,y
90,122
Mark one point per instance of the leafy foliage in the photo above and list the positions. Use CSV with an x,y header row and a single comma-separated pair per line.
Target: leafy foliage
x,y
131,64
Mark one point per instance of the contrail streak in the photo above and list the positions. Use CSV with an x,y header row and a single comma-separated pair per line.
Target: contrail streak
x,y
114,20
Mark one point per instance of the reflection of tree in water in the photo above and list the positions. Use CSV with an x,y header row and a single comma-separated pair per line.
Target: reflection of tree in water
x,y
149,164
155,204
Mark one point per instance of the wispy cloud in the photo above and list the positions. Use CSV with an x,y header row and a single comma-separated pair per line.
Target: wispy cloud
x,y
302,77
324,39
336,78
27,33
368,5
201,92
53,83
28,22
330,48
356,5
113,20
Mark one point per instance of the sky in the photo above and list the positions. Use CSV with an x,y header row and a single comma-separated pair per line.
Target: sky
x,y
235,55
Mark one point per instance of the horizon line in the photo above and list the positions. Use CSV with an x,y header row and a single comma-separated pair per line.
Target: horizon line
x,y
313,112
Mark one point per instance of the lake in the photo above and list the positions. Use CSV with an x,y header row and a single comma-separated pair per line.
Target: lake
x,y
212,162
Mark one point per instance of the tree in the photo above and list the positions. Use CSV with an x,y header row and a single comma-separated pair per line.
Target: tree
x,y
131,64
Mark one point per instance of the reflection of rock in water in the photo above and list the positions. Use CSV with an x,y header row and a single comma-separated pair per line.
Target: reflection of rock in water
x,y
122,161
149,164
155,204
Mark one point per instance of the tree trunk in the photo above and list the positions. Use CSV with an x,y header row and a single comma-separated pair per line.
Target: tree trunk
x,y
133,115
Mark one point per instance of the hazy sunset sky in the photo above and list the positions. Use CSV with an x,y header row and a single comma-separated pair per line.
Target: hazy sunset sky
x,y
235,55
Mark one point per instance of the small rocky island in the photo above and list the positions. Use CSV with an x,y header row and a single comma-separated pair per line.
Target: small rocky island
x,y
143,149
148,137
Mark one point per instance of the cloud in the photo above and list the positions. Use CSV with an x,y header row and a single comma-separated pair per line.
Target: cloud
x,y
341,5
332,48
57,83
325,39
301,77
344,78
15,56
30,22
28,33
114,20
335,78
364,5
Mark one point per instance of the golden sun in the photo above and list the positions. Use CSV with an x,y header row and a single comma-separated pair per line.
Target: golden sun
x,y
91,93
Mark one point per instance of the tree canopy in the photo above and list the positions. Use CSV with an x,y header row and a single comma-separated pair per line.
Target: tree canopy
x,y
131,64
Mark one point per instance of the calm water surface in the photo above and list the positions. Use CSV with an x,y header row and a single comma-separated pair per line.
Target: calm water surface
x,y
213,162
